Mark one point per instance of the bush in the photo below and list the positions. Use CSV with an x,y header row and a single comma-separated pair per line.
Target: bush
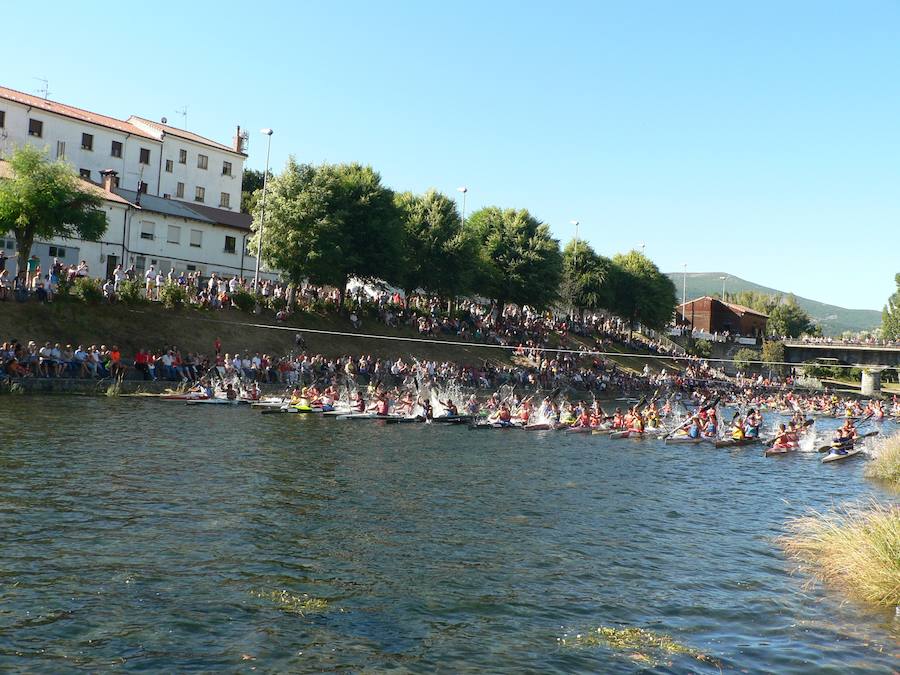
x,y
243,300
701,349
131,292
743,358
87,289
277,304
172,295
854,547
886,465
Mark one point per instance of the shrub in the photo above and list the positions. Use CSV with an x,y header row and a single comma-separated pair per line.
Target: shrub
x,y
743,358
87,289
243,300
886,465
172,295
131,292
701,349
854,547
277,304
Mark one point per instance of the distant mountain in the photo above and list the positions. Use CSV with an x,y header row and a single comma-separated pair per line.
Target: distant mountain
x,y
834,320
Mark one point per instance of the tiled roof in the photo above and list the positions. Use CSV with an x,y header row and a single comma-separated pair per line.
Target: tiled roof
x,y
169,207
72,112
739,309
6,172
182,133
236,219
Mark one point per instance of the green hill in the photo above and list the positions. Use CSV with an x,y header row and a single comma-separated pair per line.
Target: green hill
x,y
834,320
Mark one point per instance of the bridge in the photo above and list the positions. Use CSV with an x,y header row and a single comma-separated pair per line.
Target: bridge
x,y
797,351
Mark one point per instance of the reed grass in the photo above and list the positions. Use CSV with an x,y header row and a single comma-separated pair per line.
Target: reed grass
x,y
886,464
855,547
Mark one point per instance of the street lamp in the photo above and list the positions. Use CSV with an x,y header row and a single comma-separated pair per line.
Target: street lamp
x,y
575,257
724,279
262,217
684,284
464,190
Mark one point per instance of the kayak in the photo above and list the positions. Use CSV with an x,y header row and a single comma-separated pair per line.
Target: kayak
x,y
687,439
732,442
859,439
627,433
836,457
772,452
217,401
453,419
494,425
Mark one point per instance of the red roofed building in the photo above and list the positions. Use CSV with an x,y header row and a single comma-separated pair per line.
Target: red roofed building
x,y
714,316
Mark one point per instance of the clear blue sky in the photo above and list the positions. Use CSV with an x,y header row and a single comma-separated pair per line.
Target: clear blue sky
x,y
761,139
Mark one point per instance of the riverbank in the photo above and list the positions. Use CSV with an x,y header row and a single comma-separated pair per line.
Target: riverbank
x,y
192,330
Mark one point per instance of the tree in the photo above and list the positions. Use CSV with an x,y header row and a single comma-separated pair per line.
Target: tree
x,y
761,302
773,355
329,223
744,358
586,277
438,254
642,292
251,182
43,199
789,319
522,262
890,316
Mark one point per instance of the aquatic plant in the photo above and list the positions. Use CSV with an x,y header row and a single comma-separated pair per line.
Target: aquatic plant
x,y
855,547
642,645
886,465
294,604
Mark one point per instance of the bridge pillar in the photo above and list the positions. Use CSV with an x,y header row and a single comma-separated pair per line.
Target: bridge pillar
x,y
871,382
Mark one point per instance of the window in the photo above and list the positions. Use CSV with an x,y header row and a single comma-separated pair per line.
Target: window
x,y
169,165
226,168
166,195
116,149
202,161
196,238
60,149
230,244
35,128
87,141
191,268
174,234
145,156
115,181
179,191
148,230
199,194
140,264
142,187
2,118
182,156
225,200
57,252
85,173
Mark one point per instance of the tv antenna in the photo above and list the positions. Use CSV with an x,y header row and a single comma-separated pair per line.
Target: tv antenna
x,y
45,90
183,113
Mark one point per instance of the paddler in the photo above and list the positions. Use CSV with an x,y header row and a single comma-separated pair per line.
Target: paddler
x,y
752,424
450,408
738,432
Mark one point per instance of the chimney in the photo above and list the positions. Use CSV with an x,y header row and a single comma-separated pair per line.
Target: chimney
x,y
108,179
237,139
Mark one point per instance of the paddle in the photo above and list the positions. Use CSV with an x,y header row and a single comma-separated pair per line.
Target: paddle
x,y
714,403
826,448
770,442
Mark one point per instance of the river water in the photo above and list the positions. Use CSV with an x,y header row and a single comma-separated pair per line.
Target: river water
x,y
143,535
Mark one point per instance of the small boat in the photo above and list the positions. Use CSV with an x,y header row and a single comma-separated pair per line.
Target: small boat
x,y
688,440
733,442
218,401
836,456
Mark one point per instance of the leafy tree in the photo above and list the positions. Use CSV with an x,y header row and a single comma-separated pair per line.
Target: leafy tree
x,y
789,319
642,292
438,254
744,357
761,302
890,316
329,223
773,355
43,199
586,277
522,262
251,182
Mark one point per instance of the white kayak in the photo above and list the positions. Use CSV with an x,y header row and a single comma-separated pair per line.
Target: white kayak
x,y
836,456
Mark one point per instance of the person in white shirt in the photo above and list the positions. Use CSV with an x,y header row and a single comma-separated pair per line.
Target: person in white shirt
x,y
118,277
109,290
149,279
232,285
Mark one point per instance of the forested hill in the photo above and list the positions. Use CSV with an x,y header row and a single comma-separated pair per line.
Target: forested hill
x,y
834,320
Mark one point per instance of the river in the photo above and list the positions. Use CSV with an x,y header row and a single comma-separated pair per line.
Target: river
x,y
144,535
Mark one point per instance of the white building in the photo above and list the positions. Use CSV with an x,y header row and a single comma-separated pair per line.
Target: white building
x,y
187,216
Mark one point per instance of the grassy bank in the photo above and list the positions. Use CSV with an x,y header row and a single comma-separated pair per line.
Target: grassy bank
x,y
886,464
856,548
152,326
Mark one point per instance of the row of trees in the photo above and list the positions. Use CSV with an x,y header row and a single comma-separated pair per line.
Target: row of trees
x,y
331,222
786,317
890,315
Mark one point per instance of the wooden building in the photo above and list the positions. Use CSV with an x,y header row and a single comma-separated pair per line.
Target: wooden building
x,y
714,316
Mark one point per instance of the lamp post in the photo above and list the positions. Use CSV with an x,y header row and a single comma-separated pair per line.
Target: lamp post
x,y
684,284
464,191
262,218
724,279
575,257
